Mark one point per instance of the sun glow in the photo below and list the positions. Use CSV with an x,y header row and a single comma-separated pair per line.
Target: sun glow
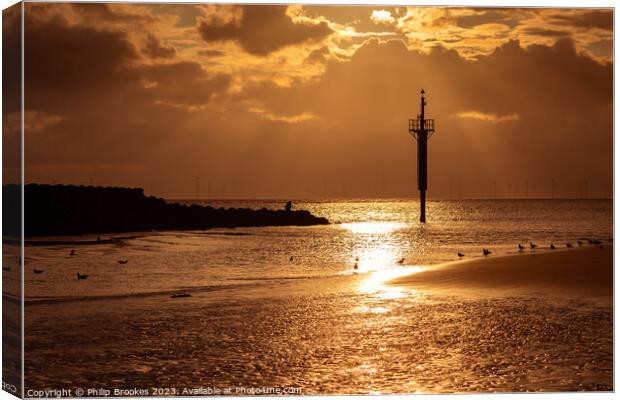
x,y
373,227
377,282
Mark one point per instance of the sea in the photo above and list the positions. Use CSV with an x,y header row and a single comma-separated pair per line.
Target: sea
x,y
372,234
310,310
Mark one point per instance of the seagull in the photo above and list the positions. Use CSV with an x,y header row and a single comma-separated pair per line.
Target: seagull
x,y
521,246
291,259
123,261
37,271
568,245
72,252
532,245
552,247
355,266
357,258
460,254
401,261
80,277
486,252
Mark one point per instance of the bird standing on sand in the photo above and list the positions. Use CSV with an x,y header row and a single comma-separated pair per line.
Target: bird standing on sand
x,y
486,252
355,266
521,247
291,259
532,245
401,261
80,277
460,254
568,245
72,252
552,247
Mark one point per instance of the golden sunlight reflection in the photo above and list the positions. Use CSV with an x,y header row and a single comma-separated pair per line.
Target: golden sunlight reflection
x,y
376,282
376,258
373,227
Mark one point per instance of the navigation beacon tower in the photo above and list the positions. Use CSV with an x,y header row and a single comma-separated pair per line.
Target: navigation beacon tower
x,y
422,129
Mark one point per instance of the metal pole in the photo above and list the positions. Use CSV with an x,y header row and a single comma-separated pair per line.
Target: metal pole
x,y
422,138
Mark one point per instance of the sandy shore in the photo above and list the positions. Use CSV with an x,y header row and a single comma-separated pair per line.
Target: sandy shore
x,y
586,271
338,336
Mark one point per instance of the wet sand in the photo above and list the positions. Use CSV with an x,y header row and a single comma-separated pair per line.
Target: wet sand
x,y
349,334
584,271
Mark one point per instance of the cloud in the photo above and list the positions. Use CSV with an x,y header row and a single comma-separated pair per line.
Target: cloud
x,y
601,19
90,89
486,117
475,32
290,119
382,17
306,117
57,51
154,49
261,30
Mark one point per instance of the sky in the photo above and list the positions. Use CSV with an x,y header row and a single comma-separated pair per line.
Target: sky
x,y
276,101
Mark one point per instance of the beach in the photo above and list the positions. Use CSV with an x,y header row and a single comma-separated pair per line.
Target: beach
x,y
585,271
541,321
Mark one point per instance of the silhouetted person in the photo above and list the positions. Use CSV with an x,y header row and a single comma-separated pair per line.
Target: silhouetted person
x,y
288,206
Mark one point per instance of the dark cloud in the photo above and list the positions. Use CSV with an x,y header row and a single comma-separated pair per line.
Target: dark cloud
x,y
57,54
545,32
104,12
11,58
11,94
211,53
183,83
602,19
262,30
153,48
105,106
471,21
